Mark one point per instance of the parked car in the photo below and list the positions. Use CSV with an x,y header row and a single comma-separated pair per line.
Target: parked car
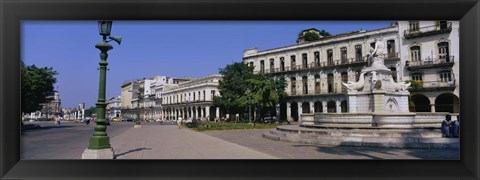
x,y
269,119
191,123
127,119
116,119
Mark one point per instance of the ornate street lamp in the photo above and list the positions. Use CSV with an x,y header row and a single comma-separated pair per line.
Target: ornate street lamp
x,y
99,145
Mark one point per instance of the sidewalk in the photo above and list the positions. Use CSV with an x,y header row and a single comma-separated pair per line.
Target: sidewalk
x,y
169,142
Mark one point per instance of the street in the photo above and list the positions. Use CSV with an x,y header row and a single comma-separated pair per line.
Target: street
x,y
65,141
156,141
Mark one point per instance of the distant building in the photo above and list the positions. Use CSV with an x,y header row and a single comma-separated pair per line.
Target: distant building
x,y
150,105
77,113
114,107
192,99
49,110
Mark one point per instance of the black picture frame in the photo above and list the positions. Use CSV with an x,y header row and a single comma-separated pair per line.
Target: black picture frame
x,y
13,12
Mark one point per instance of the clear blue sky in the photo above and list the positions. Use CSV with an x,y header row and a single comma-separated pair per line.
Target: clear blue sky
x,y
149,48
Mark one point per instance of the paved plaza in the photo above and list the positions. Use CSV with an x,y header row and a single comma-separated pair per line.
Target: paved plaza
x,y
156,141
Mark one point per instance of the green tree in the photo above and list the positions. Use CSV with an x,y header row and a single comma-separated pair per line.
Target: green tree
x,y
240,89
415,85
90,111
232,87
312,36
324,33
266,93
36,86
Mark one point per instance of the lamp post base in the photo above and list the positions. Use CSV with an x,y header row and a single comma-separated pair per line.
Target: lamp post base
x,y
98,154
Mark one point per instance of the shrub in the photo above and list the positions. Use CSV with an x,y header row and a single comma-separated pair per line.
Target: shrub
x,y
208,126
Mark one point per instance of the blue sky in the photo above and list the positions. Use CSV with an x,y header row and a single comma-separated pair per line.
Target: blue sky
x,y
149,48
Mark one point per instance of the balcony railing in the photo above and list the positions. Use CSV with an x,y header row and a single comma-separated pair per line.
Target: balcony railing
x,y
428,30
430,62
328,64
437,84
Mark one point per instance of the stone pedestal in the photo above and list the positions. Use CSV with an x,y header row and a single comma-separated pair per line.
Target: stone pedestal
x,y
98,154
137,126
378,101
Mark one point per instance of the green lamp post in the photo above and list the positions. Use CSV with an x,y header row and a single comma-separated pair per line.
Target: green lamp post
x,y
100,139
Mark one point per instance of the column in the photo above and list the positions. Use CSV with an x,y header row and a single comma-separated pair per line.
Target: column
x,y
337,104
324,106
191,112
289,111
312,107
432,108
201,112
83,113
207,112
299,110
177,114
217,112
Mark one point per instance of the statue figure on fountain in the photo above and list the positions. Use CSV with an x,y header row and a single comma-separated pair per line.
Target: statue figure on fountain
x,y
375,55
379,74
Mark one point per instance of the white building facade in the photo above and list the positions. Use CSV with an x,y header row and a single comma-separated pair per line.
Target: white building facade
x,y
192,99
431,55
114,105
149,106
315,70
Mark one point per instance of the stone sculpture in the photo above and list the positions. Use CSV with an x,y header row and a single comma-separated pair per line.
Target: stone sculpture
x,y
355,86
400,86
375,55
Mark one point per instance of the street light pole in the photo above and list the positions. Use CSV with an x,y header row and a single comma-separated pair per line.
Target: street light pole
x,y
99,145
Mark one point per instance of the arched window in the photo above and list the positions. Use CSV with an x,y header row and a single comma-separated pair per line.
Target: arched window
x,y
262,66
305,84
316,56
343,54
329,57
443,52
293,62
391,49
304,60
415,54
282,64
358,52
317,84
272,65
330,82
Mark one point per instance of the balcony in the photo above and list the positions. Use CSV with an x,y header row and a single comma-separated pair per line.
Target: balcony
x,y
440,61
391,57
360,61
428,30
438,85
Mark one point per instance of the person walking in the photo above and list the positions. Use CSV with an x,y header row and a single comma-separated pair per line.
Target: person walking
x,y
57,119
179,122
